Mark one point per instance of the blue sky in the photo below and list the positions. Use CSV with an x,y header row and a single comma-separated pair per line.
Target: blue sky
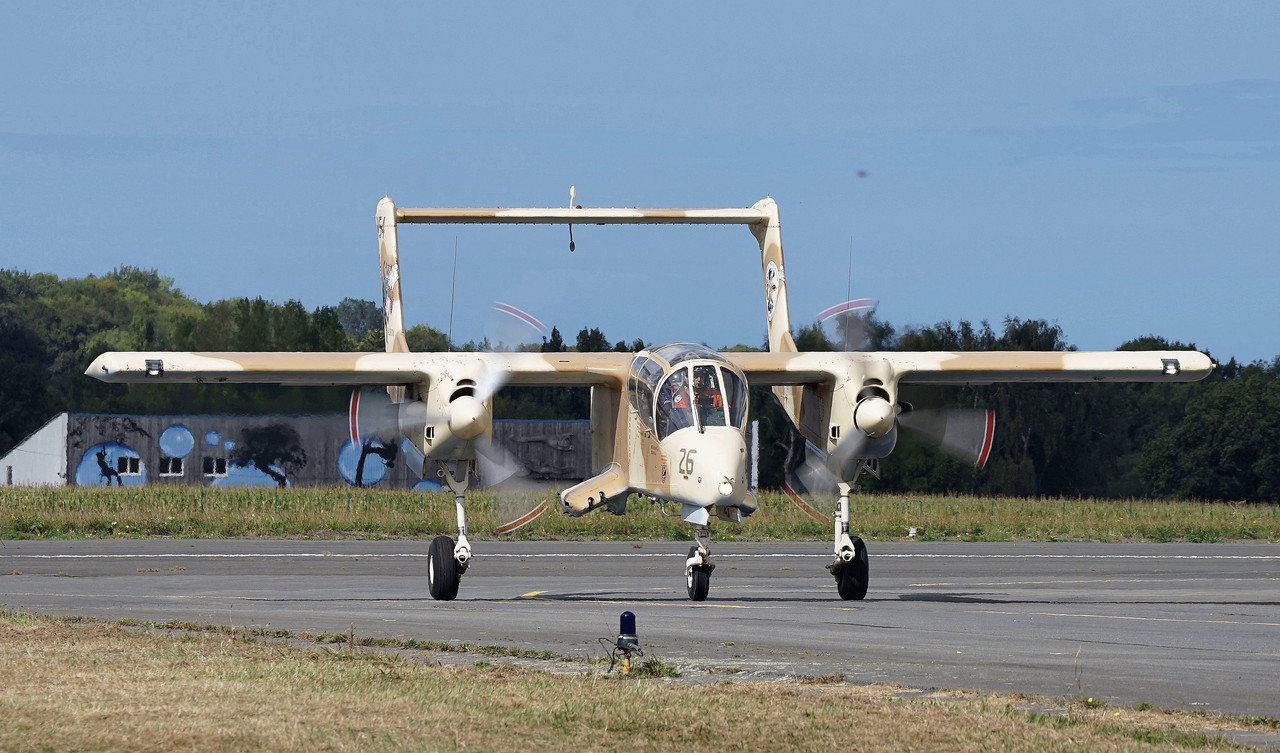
x,y
1112,167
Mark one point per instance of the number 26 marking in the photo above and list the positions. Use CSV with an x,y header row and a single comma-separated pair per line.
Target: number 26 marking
x,y
686,461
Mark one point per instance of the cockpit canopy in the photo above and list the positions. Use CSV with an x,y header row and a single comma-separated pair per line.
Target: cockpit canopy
x,y
683,385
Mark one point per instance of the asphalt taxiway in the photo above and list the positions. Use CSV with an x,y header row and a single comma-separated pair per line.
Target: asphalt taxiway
x,y
1191,626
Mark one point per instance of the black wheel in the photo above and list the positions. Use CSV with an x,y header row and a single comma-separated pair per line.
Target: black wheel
x,y
699,580
852,579
442,569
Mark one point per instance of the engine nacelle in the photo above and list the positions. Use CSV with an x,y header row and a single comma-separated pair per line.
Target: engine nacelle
x,y
412,418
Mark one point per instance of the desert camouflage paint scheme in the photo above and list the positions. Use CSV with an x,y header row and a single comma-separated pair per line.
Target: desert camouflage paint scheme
x,y
845,404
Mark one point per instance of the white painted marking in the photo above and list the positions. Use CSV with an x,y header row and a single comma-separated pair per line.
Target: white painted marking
x,y
581,555
198,555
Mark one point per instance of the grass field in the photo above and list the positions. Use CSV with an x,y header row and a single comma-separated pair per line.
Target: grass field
x,y
344,512
88,686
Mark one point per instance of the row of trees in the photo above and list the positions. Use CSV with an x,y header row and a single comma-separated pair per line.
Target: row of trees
x,y
1216,439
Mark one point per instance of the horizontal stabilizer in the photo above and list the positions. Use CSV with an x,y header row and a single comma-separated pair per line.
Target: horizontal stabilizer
x,y
573,216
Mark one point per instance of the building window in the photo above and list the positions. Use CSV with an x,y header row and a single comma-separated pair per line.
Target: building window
x,y
170,466
127,466
215,466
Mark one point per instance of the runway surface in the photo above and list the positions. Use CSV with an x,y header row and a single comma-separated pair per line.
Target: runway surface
x,y
1192,626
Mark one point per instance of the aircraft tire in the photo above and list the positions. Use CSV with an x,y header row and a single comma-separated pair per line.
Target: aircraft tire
x,y
443,575
699,580
853,578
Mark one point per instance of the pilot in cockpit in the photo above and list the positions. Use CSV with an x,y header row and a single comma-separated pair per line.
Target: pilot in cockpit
x,y
707,396
678,395
674,409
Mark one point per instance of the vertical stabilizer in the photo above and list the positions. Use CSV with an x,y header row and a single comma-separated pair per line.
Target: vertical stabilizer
x,y
389,256
777,316
389,261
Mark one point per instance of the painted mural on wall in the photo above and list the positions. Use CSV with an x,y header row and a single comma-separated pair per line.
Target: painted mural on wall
x,y
110,459
277,451
260,455
110,463
265,456
366,463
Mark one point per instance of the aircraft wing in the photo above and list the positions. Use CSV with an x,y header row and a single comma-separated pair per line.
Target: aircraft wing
x,y
377,369
610,369
976,368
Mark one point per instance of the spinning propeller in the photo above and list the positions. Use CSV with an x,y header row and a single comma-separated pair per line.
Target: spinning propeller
x,y
963,433
381,427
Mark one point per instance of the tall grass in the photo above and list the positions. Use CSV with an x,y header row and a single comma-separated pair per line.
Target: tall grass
x,y
346,512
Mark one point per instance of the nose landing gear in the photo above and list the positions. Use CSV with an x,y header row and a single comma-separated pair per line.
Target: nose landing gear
x,y
850,567
698,567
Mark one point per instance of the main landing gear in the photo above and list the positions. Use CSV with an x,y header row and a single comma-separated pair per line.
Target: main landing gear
x,y
850,566
447,560
697,569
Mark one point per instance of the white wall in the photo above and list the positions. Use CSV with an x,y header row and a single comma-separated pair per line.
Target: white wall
x,y
40,459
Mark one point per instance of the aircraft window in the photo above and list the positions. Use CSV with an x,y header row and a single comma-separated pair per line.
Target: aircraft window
x,y
674,411
675,353
735,395
642,400
651,373
645,399
707,396
644,377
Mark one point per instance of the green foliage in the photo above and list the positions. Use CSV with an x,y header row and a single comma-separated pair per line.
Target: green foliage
x,y
654,667
358,318
555,344
424,339
1225,446
592,341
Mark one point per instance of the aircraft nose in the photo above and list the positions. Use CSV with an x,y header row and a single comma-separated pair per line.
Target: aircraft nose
x,y
708,468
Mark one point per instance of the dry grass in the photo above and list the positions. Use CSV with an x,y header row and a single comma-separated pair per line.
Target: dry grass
x,y
338,512
101,687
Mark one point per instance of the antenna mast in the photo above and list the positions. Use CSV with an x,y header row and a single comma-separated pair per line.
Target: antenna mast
x,y
448,346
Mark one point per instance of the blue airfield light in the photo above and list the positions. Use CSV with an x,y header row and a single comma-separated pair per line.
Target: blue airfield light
x,y
627,638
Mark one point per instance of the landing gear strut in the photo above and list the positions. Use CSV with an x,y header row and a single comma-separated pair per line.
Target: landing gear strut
x,y
850,566
697,569
449,560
